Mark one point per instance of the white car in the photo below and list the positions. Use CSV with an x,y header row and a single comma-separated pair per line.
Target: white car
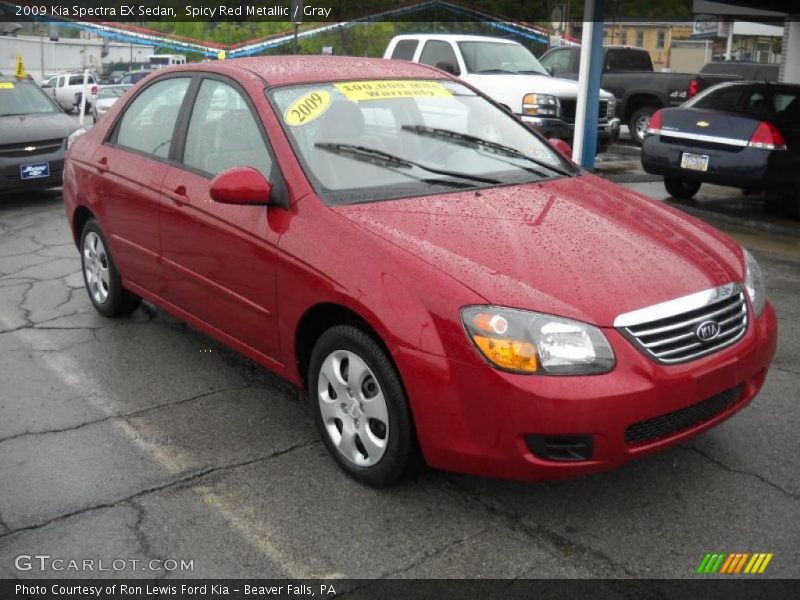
x,y
511,75
106,97
66,90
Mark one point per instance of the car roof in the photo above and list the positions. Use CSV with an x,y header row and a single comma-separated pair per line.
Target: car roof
x,y
284,70
452,36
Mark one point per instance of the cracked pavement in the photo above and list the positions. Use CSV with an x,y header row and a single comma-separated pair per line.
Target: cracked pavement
x,y
143,439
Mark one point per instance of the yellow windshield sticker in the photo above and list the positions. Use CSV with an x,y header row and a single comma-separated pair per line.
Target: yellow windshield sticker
x,y
307,108
381,90
6,85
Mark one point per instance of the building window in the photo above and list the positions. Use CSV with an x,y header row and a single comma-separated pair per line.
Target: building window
x,y
661,39
640,38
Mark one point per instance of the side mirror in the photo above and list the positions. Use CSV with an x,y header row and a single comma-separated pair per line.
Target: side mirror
x,y
549,70
241,185
562,147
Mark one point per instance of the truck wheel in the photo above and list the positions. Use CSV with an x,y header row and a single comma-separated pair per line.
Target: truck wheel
x,y
680,188
640,121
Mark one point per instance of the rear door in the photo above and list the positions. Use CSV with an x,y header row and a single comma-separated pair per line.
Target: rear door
x,y
130,168
221,259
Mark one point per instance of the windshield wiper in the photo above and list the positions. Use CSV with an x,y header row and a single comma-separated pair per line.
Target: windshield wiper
x,y
381,158
470,141
489,71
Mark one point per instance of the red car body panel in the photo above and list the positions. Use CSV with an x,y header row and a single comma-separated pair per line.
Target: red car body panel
x,y
578,247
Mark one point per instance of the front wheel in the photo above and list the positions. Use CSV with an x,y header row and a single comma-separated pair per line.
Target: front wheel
x,y
680,188
360,407
639,122
100,275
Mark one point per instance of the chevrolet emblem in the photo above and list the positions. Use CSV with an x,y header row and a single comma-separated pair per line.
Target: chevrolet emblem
x,y
30,148
703,123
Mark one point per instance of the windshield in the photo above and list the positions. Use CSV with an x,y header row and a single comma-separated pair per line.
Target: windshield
x,y
370,140
23,98
111,92
497,57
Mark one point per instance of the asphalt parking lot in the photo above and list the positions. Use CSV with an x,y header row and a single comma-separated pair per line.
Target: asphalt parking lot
x,y
143,439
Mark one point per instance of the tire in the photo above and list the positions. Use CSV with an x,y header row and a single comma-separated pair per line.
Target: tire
x,y
680,188
637,125
100,275
791,204
367,428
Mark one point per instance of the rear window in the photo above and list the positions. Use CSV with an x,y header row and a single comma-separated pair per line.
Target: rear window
x,y
405,49
628,60
764,101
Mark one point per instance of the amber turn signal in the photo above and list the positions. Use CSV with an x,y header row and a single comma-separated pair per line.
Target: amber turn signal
x,y
514,355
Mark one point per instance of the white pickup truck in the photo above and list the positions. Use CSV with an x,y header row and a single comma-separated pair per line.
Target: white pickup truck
x,y
66,90
508,73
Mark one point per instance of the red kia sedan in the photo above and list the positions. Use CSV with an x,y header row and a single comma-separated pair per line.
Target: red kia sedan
x,y
445,285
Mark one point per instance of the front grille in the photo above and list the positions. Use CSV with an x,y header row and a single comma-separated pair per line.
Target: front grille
x,y
24,149
682,336
569,108
674,422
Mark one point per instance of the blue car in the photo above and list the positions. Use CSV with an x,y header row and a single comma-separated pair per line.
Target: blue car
x,y
739,134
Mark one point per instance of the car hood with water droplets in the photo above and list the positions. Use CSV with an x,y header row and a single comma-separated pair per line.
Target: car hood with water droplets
x,y
578,247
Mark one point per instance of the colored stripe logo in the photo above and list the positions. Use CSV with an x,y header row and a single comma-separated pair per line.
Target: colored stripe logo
x,y
735,563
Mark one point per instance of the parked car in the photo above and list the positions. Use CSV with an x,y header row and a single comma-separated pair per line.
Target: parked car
x,y
744,135
34,135
106,97
508,73
67,90
134,77
748,71
486,305
628,74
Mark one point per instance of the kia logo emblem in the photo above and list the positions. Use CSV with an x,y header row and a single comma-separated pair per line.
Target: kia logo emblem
x,y
707,331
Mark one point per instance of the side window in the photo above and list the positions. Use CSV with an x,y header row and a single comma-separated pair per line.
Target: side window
x,y
405,49
786,101
756,102
440,55
149,121
557,61
61,81
223,132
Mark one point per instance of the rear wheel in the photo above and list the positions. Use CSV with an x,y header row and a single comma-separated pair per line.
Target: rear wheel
x,y
680,188
100,275
639,122
792,204
360,407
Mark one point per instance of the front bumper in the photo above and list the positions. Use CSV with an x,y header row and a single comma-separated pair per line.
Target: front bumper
x,y
475,419
11,180
552,127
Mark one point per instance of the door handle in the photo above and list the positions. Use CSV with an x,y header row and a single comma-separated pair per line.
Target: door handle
x,y
102,164
178,195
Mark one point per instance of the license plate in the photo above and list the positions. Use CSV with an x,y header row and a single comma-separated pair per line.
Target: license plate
x,y
694,162
35,171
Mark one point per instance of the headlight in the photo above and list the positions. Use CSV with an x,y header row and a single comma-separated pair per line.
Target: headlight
x,y
540,105
612,107
75,135
527,342
754,282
